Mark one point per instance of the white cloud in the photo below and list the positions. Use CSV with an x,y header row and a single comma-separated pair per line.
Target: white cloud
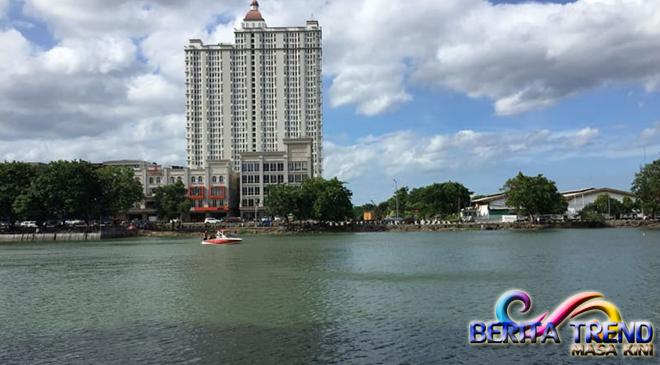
x,y
152,139
649,136
92,84
406,152
153,90
102,55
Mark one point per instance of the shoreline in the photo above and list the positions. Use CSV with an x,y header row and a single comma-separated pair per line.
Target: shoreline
x,y
198,230
407,228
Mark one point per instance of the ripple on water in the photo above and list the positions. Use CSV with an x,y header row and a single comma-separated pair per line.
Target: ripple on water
x,y
325,299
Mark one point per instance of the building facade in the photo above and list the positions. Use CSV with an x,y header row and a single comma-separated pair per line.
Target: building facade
x,y
493,207
253,95
212,189
292,166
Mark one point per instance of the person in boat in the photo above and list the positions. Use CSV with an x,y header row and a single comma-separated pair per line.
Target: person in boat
x,y
206,235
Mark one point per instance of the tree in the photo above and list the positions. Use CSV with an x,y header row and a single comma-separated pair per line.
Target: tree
x,y
646,187
120,189
382,210
442,200
281,199
317,198
15,180
402,196
604,204
333,203
29,207
628,205
69,189
532,196
172,201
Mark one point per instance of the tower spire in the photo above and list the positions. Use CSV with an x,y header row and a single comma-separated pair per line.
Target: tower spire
x,y
254,13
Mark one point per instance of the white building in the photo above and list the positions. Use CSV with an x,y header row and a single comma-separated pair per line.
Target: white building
x,y
578,199
212,189
253,95
494,208
259,169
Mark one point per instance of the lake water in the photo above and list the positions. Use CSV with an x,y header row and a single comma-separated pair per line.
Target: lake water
x,y
392,298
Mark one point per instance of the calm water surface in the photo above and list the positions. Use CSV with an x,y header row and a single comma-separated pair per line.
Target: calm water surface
x,y
391,298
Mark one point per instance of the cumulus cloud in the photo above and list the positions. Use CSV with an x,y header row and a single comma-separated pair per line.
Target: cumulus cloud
x,y
409,152
649,136
119,66
153,139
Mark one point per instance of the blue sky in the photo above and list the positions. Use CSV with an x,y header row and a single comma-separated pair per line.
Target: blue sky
x,y
463,90
618,112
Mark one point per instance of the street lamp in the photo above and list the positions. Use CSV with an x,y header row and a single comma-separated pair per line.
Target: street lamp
x,y
396,198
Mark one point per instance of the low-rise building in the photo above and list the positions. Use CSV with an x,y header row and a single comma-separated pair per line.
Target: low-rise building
x,y
261,169
212,189
491,208
494,208
578,199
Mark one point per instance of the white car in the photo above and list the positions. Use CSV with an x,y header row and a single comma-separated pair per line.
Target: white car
x,y
212,221
29,224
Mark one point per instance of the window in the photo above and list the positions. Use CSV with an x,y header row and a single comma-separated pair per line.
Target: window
x,y
193,180
217,191
200,180
214,179
158,180
172,180
151,180
179,179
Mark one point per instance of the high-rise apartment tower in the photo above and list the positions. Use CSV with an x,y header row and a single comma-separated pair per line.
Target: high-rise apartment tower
x,y
252,95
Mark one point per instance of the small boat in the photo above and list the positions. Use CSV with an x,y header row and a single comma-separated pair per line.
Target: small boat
x,y
223,237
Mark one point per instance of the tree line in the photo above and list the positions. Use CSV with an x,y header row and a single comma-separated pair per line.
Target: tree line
x,y
65,189
526,195
82,190
438,200
316,199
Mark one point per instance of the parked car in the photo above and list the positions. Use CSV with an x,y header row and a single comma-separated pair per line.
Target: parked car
x,y
266,222
29,224
232,220
211,220
73,222
5,224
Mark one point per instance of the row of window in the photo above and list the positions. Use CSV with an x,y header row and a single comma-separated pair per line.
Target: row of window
x,y
212,203
250,167
251,190
250,179
200,179
298,166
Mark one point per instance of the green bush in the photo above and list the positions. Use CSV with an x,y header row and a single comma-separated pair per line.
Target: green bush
x,y
591,216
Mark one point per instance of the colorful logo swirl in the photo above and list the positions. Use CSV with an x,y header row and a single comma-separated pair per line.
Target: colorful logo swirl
x,y
573,307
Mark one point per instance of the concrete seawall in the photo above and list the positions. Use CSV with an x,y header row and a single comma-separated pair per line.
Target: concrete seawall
x,y
65,236
38,237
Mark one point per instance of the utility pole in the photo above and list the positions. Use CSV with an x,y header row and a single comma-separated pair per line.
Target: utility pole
x,y
644,155
256,205
609,210
396,198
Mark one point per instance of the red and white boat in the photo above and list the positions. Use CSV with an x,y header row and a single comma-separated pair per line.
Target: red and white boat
x,y
223,237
